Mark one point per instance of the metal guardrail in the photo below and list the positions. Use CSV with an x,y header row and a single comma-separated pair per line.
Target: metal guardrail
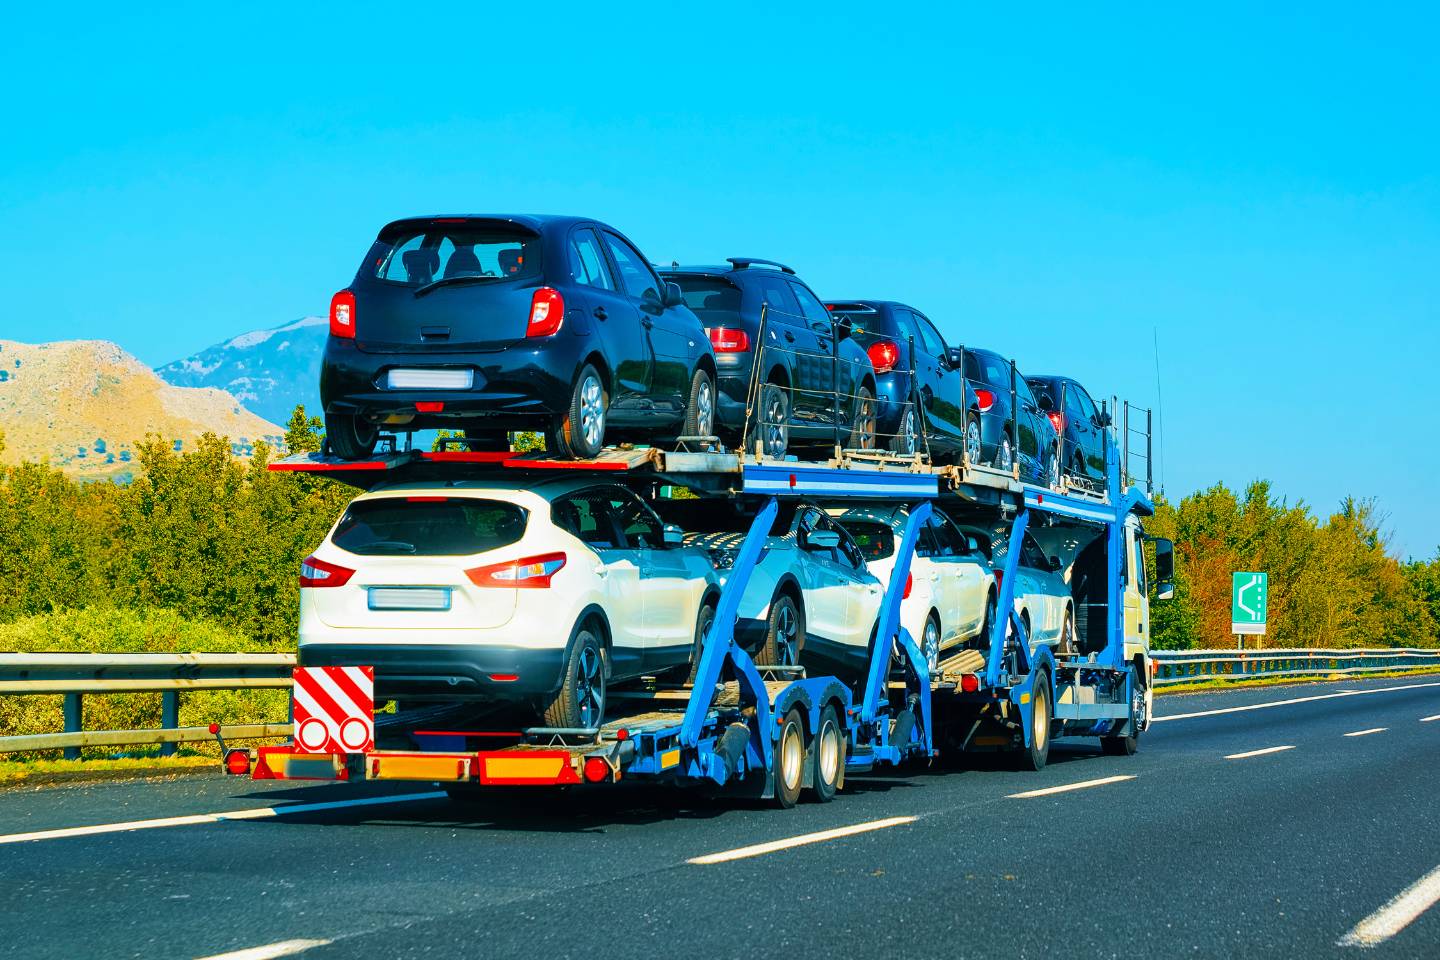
x,y
1192,666
74,675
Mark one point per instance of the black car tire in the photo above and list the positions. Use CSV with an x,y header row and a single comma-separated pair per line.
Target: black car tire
x,y
1127,743
787,764
350,437
862,428
827,756
580,701
784,633
1033,757
774,420
907,439
700,410
1004,458
702,623
581,435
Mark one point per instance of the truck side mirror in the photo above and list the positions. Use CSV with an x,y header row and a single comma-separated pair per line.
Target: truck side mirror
x,y
1164,562
1165,590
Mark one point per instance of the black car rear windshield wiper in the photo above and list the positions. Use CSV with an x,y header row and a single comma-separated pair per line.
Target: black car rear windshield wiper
x,y
447,281
387,546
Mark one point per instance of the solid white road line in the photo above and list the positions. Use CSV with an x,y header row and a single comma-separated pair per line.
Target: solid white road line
x,y
1082,785
254,813
1366,733
1286,703
759,849
1397,914
285,948
1257,753
1428,719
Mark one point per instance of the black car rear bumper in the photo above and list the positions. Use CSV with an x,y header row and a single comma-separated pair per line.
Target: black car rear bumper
x,y
526,386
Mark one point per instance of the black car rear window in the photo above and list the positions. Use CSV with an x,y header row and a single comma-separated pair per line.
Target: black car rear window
x,y
708,295
875,539
428,526
709,516
421,253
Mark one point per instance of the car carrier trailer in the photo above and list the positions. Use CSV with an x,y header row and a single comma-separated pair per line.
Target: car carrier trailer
x,y
772,732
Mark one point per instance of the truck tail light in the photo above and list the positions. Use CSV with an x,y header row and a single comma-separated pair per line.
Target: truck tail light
x,y
985,400
1057,420
315,572
596,770
884,354
342,315
547,310
531,573
726,340
969,682
237,762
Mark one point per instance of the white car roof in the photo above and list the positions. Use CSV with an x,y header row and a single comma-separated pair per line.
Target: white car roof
x,y
545,490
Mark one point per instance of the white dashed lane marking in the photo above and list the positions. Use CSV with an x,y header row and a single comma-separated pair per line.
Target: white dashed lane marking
x,y
1366,733
1396,915
1066,788
759,849
1258,753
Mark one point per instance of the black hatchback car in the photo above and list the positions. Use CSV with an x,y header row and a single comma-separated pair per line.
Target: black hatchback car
x,y
502,323
927,412
990,435
1078,420
813,382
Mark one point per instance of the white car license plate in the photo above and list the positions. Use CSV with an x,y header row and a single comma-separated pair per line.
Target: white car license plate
x,y
410,378
410,598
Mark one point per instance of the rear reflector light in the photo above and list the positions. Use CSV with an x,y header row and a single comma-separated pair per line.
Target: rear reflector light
x,y
430,406
547,309
969,682
237,762
504,677
884,354
596,770
999,579
909,582
342,315
529,573
1057,420
315,572
429,379
726,340
984,399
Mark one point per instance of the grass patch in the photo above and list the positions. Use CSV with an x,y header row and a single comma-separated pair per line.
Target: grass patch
x,y
1227,684
19,773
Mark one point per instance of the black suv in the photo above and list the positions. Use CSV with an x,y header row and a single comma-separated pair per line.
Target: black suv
x,y
1079,421
501,323
928,412
812,381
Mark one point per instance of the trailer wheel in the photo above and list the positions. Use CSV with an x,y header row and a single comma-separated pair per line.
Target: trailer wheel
x,y
1033,757
788,761
580,701
827,756
1126,744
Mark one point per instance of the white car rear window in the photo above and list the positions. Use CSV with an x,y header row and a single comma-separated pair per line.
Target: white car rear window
x,y
428,526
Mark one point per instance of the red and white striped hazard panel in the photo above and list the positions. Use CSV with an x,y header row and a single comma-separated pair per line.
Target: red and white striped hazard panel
x,y
334,709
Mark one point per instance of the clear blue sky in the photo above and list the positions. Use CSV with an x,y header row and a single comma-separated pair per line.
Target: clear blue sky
x,y
1262,189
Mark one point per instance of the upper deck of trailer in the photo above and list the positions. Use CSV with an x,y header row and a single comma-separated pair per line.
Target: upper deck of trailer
x,y
848,475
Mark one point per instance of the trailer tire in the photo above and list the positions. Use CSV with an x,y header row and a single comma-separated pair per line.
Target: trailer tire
x,y
787,761
580,701
1033,756
1127,743
827,756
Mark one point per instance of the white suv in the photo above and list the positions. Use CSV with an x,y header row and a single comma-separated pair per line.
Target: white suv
x,y
950,595
476,590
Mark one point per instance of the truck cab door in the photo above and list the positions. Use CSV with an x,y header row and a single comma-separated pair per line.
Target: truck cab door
x,y
1137,600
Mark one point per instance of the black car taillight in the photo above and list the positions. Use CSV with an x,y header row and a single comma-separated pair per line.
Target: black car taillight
x,y
342,315
984,399
727,340
884,354
547,310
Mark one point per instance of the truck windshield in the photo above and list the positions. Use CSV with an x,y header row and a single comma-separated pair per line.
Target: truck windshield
x,y
428,526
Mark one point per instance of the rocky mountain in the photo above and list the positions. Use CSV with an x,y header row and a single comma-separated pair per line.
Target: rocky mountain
x,y
269,371
82,404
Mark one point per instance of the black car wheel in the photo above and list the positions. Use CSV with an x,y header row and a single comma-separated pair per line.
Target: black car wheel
x,y
1055,470
582,433
702,626
862,431
350,437
700,411
972,440
580,701
1004,454
906,439
774,420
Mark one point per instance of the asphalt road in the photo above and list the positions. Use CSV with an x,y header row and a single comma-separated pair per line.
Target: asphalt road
x,y
1191,854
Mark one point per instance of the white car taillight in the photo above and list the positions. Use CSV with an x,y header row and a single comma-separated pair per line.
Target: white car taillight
x,y
529,573
315,572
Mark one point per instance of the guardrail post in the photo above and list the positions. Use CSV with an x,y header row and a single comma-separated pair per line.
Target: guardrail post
x,y
169,718
74,721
